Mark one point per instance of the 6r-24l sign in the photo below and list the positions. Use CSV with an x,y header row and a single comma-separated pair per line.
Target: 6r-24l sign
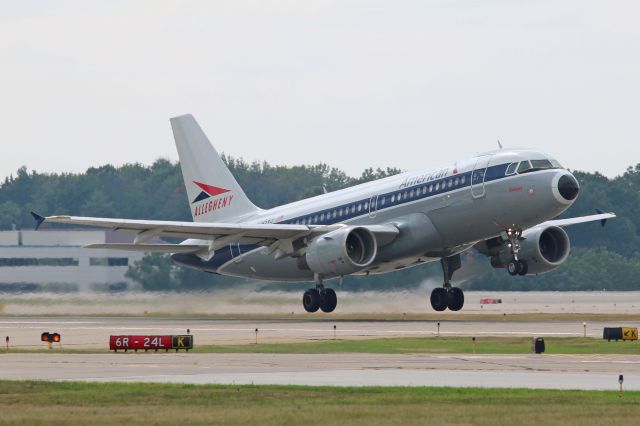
x,y
146,343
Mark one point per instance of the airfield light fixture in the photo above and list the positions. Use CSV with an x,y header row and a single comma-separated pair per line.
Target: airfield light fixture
x,y
620,380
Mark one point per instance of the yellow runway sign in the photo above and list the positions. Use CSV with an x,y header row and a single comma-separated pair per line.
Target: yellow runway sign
x,y
629,333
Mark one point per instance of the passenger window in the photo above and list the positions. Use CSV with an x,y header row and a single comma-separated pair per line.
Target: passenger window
x,y
462,180
359,206
437,186
366,206
456,182
449,183
382,201
335,213
411,193
393,198
322,217
511,169
430,188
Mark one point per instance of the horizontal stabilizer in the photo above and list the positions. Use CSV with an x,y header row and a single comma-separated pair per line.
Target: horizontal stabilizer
x,y
151,248
39,219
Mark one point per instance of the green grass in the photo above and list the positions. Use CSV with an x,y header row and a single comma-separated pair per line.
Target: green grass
x,y
436,345
412,345
119,403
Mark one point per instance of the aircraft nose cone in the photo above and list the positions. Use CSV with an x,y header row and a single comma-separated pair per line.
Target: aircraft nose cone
x,y
568,187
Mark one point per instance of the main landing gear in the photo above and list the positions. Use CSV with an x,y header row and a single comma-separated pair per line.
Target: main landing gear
x,y
515,265
321,298
448,296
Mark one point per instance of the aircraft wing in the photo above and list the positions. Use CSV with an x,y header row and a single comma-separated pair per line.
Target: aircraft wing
x,y
276,236
155,248
602,217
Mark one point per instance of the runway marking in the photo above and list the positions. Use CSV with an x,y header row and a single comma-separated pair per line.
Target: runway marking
x,y
321,331
49,322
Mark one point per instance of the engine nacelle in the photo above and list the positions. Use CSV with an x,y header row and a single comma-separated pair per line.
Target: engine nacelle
x,y
342,252
544,249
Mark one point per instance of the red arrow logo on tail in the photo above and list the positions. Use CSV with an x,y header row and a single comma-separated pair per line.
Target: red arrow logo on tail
x,y
211,190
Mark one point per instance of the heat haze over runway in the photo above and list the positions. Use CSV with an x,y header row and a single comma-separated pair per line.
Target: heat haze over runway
x,y
94,332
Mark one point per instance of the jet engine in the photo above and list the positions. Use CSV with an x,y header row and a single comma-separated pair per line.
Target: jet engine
x,y
341,252
543,249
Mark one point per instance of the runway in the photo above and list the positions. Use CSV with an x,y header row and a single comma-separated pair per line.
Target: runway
x,y
497,371
530,371
93,332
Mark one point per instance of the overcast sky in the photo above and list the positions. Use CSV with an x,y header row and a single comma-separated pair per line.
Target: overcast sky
x,y
355,84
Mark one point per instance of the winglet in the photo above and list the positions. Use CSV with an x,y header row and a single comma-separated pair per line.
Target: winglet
x,y
603,222
39,219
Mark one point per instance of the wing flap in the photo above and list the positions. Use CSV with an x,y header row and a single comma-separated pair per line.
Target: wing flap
x,y
150,248
203,231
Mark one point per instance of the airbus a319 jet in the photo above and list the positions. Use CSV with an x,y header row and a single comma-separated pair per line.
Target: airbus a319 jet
x,y
502,203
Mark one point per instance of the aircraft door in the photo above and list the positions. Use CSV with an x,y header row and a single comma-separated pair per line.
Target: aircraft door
x,y
478,176
373,206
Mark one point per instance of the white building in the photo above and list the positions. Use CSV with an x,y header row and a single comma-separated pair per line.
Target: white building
x,y
54,260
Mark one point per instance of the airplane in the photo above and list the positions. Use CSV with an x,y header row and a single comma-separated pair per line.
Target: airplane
x,y
501,202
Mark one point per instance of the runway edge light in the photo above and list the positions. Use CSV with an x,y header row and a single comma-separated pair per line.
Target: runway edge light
x,y
620,380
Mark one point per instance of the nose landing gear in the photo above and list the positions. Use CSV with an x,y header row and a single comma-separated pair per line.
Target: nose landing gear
x,y
448,296
515,265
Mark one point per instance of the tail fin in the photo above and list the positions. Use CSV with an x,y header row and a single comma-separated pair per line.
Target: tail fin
x,y
214,194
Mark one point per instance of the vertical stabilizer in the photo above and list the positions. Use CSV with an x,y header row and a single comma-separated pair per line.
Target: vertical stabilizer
x,y
214,194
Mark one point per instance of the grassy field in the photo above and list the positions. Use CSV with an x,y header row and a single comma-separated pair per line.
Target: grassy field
x,y
412,345
116,403
435,345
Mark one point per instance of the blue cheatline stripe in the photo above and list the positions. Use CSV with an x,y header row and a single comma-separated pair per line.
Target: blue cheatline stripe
x,y
350,211
402,196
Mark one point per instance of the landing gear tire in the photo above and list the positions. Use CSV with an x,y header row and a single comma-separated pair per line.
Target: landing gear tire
x,y
328,300
524,267
439,299
455,299
517,267
513,267
311,300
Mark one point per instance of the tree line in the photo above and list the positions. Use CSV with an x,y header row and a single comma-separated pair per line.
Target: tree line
x,y
606,258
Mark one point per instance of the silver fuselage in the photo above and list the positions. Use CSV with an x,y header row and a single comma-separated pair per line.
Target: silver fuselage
x,y
440,212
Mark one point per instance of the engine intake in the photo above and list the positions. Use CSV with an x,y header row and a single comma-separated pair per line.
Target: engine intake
x,y
342,252
544,249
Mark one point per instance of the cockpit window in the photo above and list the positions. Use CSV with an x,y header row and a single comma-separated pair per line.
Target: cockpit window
x,y
511,169
541,164
556,164
524,167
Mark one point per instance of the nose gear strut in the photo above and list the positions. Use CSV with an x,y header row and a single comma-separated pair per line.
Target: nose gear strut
x,y
515,266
